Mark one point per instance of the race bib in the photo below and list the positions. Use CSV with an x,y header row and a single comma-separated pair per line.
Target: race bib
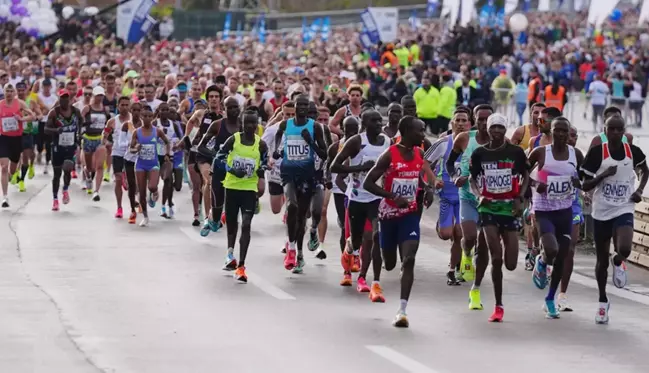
x,y
616,192
9,125
297,149
147,152
498,181
97,121
406,188
559,187
66,139
246,164
274,176
458,168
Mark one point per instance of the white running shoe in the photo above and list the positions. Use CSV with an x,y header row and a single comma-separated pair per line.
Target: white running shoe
x,y
144,222
563,304
602,313
620,277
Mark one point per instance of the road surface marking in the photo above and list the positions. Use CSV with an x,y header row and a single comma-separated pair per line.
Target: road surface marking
x,y
254,279
610,289
401,360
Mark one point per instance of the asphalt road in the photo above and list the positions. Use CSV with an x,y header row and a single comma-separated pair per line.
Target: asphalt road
x,y
83,292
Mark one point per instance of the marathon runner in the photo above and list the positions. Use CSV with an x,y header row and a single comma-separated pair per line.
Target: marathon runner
x,y
463,146
130,158
13,113
110,101
275,188
47,99
196,127
545,128
409,105
304,141
400,167
31,127
395,113
522,135
64,128
119,148
610,170
147,167
95,117
243,157
601,138
171,173
355,93
323,119
362,151
499,178
555,182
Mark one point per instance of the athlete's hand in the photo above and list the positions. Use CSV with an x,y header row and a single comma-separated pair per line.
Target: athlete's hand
x,y
276,155
306,135
429,198
238,172
60,130
483,201
541,188
136,148
609,171
460,181
439,184
576,183
367,165
517,208
261,187
636,197
401,202
329,185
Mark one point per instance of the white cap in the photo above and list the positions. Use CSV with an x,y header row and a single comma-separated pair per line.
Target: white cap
x,y
496,119
98,91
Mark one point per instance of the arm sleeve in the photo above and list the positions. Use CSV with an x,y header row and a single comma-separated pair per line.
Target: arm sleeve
x,y
592,162
639,157
474,164
436,150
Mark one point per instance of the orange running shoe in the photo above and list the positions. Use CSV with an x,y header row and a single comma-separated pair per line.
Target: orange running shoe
x,y
240,275
357,264
376,294
132,217
347,279
347,261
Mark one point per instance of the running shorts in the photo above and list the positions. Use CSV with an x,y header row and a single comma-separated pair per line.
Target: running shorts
x,y
118,164
558,223
11,147
91,145
28,141
61,154
505,223
371,211
239,200
275,189
393,232
469,211
449,213
604,229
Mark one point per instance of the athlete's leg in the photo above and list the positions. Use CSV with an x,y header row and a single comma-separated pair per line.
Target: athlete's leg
x,y
99,158
141,178
248,201
196,182
322,227
317,202
276,195
205,169
218,195
623,234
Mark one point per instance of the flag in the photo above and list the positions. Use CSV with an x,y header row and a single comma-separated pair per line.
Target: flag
x,y
239,32
261,30
326,29
227,25
315,28
306,37
431,8
526,5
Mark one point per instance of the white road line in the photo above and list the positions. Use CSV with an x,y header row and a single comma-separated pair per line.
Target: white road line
x,y
590,282
253,278
401,360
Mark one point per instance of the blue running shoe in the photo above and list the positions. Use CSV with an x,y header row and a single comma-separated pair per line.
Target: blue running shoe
x,y
540,273
551,311
151,200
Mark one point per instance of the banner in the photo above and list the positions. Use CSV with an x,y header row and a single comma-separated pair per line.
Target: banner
x,y
326,29
365,39
306,34
431,8
644,13
387,20
226,26
239,32
133,20
370,29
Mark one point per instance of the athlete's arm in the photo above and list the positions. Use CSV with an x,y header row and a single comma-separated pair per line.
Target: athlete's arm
x,y
334,125
320,144
381,167
268,108
436,151
331,154
50,125
110,126
278,139
459,144
523,170
30,114
430,175
517,136
475,169
594,142
592,163
211,132
85,116
221,157
193,121
350,149
164,138
640,163
134,147
530,144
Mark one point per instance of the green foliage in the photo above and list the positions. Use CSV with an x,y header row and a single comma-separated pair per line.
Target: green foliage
x,y
161,11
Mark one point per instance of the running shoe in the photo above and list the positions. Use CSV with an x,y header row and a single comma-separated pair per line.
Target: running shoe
x,y
55,205
223,219
196,222
73,174
376,293
299,268
95,197
529,261
475,300
132,217
290,260
347,280
210,226
540,273
163,212
240,275
119,214
361,286
620,277
144,222
401,320
467,268
172,213
451,280
152,199
497,316
356,267
550,309
230,262
30,172
106,176
321,254
347,261
564,306
21,186
46,169
14,178
66,197
314,243
5,202
602,313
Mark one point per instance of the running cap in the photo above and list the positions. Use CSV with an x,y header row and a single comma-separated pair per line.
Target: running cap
x,y
496,119
63,92
98,91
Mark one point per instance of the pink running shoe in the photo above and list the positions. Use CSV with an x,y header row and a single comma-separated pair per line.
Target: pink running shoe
x,y
119,214
66,197
290,259
361,286
55,205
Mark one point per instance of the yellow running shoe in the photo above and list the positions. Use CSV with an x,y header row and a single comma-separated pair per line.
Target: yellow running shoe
x,y
30,172
106,176
21,186
466,268
14,178
475,303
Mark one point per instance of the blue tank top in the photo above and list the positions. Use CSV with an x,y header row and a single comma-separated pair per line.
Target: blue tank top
x,y
191,105
298,159
449,191
537,141
148,155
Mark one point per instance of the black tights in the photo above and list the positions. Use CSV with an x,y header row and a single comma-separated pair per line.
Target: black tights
x,y
56,180
218,195
129,167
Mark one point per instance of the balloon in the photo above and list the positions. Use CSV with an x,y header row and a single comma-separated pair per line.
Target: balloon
x,y
32,6
4,10
16,2
33,32
46,4
616,15
518,23
91,10
67,12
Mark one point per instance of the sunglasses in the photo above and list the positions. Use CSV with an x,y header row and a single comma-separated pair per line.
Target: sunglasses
x,y
259,90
